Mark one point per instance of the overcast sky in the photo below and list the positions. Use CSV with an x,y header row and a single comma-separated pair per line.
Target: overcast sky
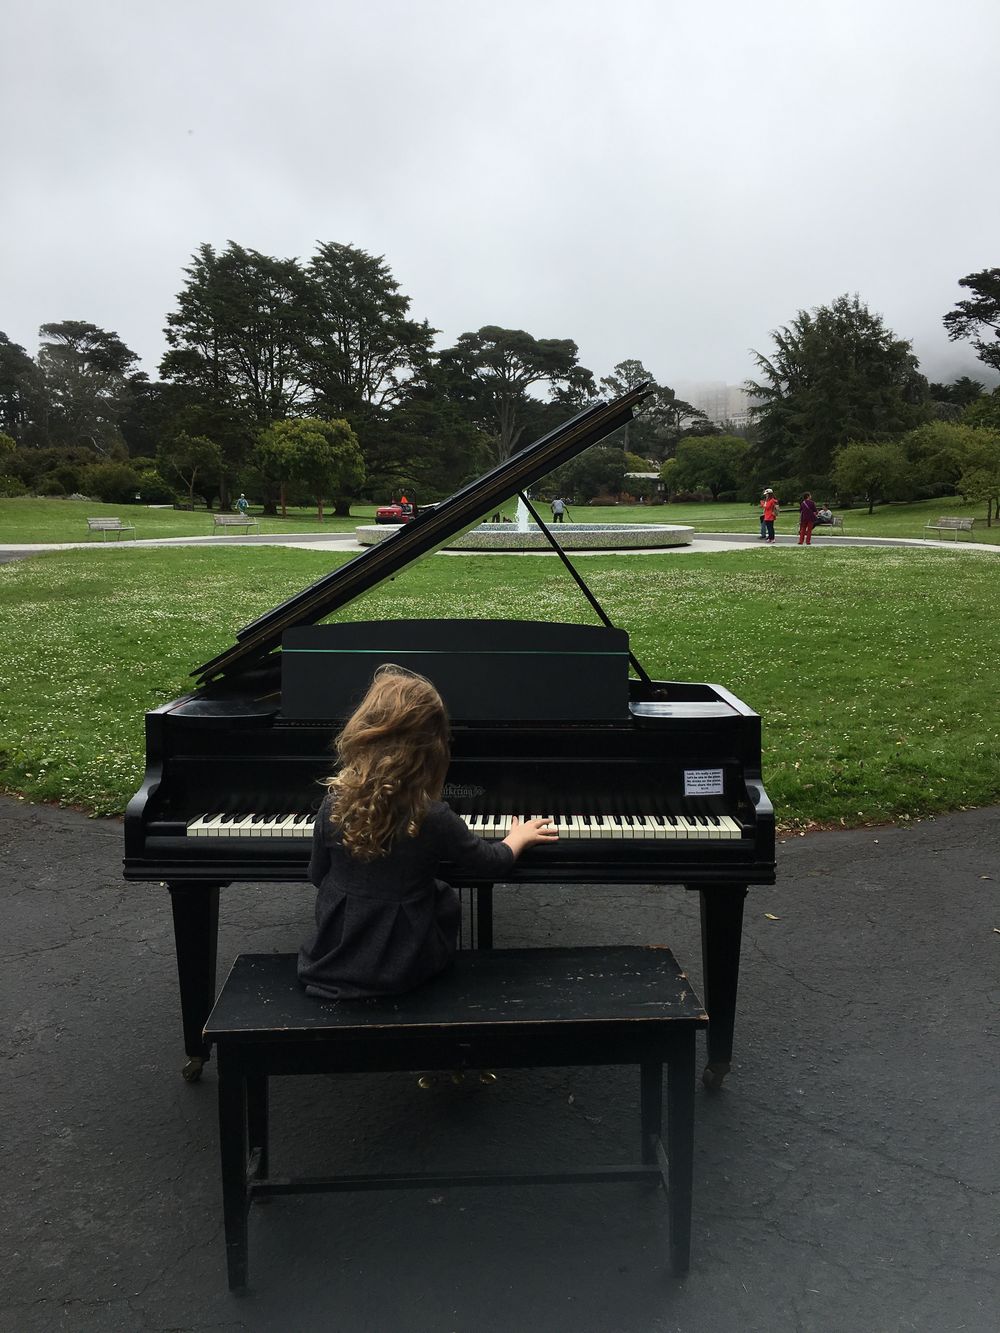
x,y
666,180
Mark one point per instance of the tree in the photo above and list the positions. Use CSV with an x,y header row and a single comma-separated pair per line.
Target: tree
x,y
837,374
7,445
981,478
274,457
88,378
938,451
984,412
599,470
361,349
624,377
21,389
425,443
876,471
324,456
238,335
982,312
716,463
492,370
189,457
962,392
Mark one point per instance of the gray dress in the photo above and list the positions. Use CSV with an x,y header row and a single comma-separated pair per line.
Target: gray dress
x,y
384,926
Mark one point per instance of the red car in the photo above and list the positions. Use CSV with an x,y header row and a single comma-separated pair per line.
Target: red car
x,y
400,511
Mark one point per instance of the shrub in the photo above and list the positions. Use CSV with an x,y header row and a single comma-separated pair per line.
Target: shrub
x,y
50,485
11,485
154,490
114,483
66,475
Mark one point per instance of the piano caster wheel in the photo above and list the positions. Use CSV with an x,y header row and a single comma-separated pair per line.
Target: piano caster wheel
x,y
191,1072
426,1081
713,1075
487,1076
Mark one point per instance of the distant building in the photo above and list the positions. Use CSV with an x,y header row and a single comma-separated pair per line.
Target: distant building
x,y
723,404
653,477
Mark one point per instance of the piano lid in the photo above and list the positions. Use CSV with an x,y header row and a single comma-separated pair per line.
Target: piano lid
x,y
425,533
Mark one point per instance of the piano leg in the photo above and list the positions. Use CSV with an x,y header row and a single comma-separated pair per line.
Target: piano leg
x,y
721,932
196,936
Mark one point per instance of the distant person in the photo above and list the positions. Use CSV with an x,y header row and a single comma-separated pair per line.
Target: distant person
x,y
760,504
808,513
824,516
558,509
768,513
385,922
242,505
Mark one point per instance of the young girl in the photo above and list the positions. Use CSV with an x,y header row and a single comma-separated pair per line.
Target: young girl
x,y
384,921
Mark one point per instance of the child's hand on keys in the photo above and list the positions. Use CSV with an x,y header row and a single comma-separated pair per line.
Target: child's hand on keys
x,y
525,834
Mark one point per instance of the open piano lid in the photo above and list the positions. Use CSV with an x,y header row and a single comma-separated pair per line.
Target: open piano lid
x,y
424,534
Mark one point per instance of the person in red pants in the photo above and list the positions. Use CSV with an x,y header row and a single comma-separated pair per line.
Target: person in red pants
x,y
807,519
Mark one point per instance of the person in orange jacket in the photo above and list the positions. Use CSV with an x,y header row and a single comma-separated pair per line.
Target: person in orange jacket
x,y
770,512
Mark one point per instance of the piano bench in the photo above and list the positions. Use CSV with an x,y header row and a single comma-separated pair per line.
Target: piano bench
x,y
501,1008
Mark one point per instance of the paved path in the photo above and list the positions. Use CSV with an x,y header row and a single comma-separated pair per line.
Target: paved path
x,y
846,1178
345,541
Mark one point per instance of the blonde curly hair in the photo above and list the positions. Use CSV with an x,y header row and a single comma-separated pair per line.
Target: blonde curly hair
x,y
394,753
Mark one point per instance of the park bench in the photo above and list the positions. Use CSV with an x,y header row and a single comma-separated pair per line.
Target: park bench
x,y
836,522
952,525
244,521
106,525
492,1009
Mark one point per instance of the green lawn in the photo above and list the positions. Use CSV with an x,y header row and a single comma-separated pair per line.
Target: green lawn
x,y
895,520
26,520
874,669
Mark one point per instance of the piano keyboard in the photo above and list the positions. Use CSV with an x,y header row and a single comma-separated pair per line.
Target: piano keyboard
x,y
570,828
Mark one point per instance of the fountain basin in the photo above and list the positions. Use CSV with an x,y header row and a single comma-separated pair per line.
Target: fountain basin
x,y
570,536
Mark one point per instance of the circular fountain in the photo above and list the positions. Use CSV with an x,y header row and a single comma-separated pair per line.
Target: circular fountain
x,y
524,534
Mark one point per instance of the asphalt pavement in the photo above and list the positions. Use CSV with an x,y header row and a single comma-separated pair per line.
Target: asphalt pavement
x,y
846,1175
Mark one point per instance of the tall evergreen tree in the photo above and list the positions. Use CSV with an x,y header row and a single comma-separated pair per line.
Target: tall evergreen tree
x,y
362,349
21,390
982,312
836,374
238,334
491,371
87,374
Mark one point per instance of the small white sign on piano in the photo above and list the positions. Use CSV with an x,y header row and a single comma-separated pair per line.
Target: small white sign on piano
x,y
703,782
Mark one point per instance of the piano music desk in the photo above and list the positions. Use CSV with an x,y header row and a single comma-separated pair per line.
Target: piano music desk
x,y
501,1009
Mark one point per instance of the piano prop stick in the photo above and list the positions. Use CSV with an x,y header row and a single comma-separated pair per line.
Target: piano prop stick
x,y
652,782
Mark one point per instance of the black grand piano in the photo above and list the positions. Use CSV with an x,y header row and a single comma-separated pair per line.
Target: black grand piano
x,y
652,782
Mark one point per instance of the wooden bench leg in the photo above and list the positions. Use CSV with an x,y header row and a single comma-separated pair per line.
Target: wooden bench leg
x,y
257,1123
680,1150
651,1075
233,1146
